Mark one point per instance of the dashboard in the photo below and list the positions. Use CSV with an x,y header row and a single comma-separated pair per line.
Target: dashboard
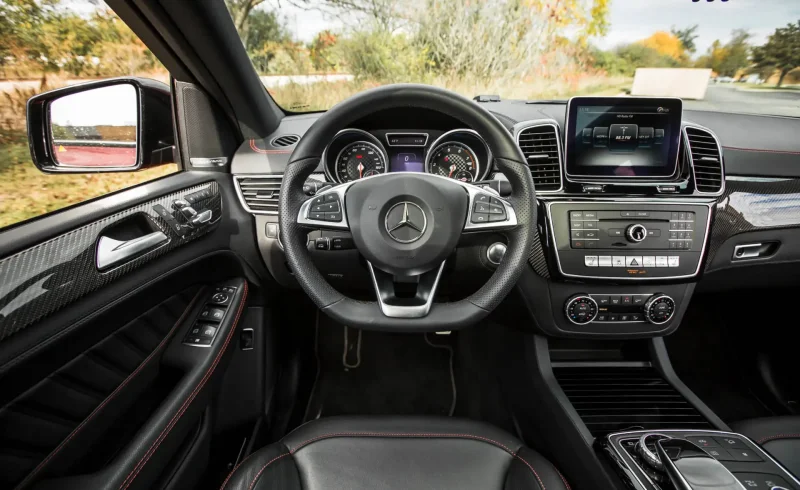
x,y
354,154
639,203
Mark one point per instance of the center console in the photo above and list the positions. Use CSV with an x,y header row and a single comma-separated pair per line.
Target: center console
x,y
689,460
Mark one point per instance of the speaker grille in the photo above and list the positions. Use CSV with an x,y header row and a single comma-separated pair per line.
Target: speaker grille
x,y
539,144
259,195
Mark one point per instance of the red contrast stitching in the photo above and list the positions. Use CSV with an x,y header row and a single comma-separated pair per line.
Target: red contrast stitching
x,y
132,475
541,484
113,393
562,478
255,478
757,150
256,149
779,436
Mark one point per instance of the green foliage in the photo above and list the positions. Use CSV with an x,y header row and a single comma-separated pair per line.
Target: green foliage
x,y
686,37
728,59
625,59
380,55
781,52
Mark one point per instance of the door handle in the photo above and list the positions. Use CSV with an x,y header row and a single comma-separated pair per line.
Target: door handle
x,y
754,250
111,252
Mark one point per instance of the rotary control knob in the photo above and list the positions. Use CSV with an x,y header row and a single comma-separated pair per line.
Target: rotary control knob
x,y
659,309
581,309
636,233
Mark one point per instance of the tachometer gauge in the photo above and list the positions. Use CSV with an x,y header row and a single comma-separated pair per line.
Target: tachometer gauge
x,y
454,160
358,160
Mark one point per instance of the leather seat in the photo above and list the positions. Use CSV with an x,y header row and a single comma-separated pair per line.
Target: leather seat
x,y
779,436
396,453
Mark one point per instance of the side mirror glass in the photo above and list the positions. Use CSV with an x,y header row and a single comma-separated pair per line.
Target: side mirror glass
x,y
114,125
95,128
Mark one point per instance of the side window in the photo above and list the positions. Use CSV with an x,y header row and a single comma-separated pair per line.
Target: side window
x,y
54,44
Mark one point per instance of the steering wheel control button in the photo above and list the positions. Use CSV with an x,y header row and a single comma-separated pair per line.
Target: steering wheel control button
x,y
478,218
659,309
341,243
326,207
322,243
581,309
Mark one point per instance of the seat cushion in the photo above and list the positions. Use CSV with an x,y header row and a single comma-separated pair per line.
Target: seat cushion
x,y
390,453
779,436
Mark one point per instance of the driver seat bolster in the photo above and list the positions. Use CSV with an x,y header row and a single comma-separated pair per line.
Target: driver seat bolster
x,y
395,453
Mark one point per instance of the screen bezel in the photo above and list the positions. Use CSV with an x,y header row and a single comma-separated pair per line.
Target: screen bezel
x,y
676,109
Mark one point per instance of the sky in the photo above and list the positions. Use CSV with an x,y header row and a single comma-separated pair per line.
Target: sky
x,y
632,20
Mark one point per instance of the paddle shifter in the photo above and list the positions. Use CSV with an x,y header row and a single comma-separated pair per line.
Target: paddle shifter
x,y
687,466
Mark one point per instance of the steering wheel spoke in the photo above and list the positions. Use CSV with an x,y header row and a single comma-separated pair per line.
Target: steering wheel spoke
x,y
487,211
406,296
325,210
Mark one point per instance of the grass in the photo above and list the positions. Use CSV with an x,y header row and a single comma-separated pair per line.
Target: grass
x,y
26,193
324,95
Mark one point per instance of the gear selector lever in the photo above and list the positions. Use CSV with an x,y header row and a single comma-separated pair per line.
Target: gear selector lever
x,y
687,465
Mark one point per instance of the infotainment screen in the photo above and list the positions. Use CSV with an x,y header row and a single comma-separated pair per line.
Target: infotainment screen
x,y
623,137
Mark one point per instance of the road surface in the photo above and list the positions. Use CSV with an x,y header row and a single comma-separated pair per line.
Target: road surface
x,y
730,98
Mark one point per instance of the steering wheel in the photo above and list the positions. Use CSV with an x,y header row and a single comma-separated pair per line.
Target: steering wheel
x,y
407,224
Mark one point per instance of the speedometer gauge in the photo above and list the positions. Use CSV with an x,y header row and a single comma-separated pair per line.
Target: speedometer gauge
x,y
454,160
358,160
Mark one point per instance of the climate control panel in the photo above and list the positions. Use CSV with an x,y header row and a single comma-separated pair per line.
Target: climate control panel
x,y
583,309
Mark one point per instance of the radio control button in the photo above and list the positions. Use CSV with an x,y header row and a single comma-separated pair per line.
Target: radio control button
x,y
590,260
633,261
591,244
589,234
616,232
655,233
661,261
618,261
578,243
577,233
604,261
674,261
590,215
628,214
576,215
590,225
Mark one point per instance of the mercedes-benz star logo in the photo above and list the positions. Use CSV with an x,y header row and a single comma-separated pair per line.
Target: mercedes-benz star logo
x,y
406,222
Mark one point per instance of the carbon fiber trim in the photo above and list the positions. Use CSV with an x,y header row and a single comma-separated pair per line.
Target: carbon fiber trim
x,y
753,204
41,280
537,258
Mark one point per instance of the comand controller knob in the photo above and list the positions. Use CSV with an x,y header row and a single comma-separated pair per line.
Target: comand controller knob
x,y
636,233
581,309
659,309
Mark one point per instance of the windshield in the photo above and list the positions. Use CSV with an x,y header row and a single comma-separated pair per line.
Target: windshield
x,y
731,56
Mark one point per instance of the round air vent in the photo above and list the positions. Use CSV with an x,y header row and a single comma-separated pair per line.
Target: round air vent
x,y
285,140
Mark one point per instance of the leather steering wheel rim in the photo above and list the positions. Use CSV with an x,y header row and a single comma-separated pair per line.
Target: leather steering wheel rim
x,y
442,316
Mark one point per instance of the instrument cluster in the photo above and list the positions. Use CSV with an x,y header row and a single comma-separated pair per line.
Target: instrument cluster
x,y
459,154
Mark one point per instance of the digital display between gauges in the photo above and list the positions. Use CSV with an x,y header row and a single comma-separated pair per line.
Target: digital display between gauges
x,y
359,160
454,160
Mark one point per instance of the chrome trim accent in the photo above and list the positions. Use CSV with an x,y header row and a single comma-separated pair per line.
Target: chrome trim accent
x,y
745,178
652,300
621,180
111,252
533,123
619,451
741,252
496,249
394,311
381,152
405,222
240,336
576,298
240,194
406,134
629,233
324,157
628,202
691,160
472,190
436,143
647,454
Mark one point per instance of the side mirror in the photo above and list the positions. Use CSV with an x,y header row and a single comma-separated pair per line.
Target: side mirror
x,y
114,125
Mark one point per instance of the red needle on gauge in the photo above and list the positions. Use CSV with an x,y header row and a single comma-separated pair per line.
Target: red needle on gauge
x,y
360,170
452,169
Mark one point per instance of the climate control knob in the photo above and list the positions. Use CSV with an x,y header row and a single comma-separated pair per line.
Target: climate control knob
x,y
636,233
659,309
581,309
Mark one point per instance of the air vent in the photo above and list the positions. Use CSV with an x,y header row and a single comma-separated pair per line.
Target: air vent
x,y
706,160
539,144
610,399
286,140
260,194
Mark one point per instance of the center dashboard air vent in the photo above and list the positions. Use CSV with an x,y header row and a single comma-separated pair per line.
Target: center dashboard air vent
x,y
259,194
706,158
539,144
